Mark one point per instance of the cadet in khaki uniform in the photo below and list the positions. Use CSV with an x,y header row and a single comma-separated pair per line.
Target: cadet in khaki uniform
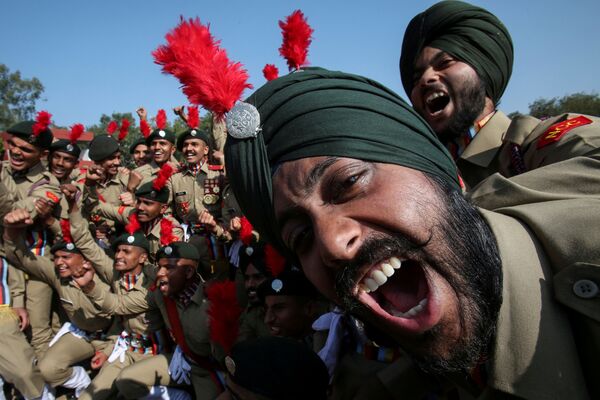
x,y
455,64
83,336
179,295
197,198
27,180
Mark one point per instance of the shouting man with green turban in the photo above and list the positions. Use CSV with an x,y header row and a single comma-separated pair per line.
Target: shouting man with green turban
x,y
344,176
455,64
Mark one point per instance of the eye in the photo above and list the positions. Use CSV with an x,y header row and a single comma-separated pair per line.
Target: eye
x,y
299,238
348,184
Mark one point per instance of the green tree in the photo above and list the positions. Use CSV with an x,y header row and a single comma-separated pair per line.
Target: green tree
x,y
584,103
17,97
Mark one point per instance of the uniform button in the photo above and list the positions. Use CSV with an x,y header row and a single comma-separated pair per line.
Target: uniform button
x,y
585,289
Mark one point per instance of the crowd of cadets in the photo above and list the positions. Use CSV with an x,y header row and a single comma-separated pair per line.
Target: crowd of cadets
x,y
107,272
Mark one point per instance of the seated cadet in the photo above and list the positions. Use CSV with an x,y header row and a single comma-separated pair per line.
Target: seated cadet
x,y
274,368
292,305
79,339
197,198
151,210
179,295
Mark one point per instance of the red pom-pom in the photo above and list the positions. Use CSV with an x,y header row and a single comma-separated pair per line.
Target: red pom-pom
x,y
166,232
161,119
274,261
76,132
65,227
207,76
223,313
133,225
246,235
270,72
42,121
162,177
124,129
296,39
112,127
193,119
145,128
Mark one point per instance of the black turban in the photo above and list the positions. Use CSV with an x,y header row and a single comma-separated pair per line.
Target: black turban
x,y
469,33
316,112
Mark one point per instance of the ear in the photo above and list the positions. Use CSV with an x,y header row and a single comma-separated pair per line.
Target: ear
x,y
164,208
143,258
189,272
173,149
44,153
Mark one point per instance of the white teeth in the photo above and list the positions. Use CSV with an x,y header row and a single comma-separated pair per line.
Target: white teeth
x,y
387,269
412,312
378,277
434,96
395,263
371,284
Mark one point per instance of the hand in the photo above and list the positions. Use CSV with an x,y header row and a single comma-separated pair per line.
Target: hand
x,y
44,207
235,224
94,174
142,113
179,111
124,171
127,199
207,219
23,317
18,218
135,178
98,360
218,157
70,192
84,276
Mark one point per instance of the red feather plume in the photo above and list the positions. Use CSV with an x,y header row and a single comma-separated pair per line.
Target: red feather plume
x,y
207,76
65,227
246,231
112,127
162,177
274,261
270,72
42,121
76,132
166,232
193,119
296,39
161,119
145,128
133,225
124,129
224,313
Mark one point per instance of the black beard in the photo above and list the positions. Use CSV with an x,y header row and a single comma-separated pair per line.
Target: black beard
x,y
469,103
468,259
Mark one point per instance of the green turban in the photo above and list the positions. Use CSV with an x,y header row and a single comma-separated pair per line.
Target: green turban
x,y
316,112
469,33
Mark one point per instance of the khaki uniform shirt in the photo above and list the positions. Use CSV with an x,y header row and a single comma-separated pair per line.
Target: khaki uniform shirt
x,y
252,324
104,193
149,171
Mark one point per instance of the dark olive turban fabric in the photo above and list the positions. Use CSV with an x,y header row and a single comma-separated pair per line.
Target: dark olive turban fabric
x,y
317,112
469,33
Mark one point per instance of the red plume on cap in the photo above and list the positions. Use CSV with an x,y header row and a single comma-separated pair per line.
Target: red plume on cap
x,y
166,232
223,312
76,132
193,119
274,261
162,177
270,72
246,231
133,225
65,227
42,121
145,128
112,127
207,76
161,119
124,129
296,39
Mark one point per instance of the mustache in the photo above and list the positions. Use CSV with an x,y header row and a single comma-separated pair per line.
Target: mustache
x,y
374,249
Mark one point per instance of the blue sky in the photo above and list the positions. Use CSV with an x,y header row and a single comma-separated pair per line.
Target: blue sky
x,y
93,57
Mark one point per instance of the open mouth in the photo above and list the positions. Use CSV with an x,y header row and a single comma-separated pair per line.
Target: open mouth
x,y
436,102
275,330
163,285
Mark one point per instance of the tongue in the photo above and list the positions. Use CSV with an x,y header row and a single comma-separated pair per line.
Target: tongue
x,y
438,104
406,288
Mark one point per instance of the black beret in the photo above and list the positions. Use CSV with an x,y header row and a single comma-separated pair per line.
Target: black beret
x,y
192,133
65,146
290,282
24,130
102,147
136,144
146,191
178,250
138,239
61,245
161,134
253,254
278,368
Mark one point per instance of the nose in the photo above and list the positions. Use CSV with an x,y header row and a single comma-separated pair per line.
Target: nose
x,y
269,317
338,239
162,272
428,76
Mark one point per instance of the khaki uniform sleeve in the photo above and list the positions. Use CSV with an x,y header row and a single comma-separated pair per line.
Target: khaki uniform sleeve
x,y
16,283
84,241
118,214
6,200
22,258
134,302
46,188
